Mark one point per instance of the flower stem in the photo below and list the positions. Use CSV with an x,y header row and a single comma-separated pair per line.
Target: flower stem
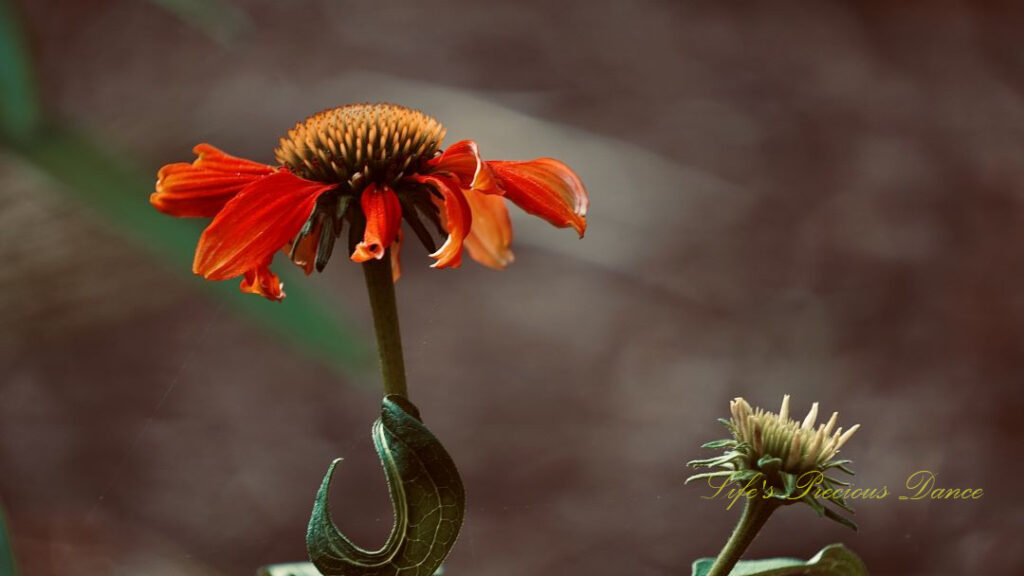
x,y
755,514
381,288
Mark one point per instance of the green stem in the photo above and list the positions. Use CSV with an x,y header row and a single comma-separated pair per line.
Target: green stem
x,y
755,514
381,288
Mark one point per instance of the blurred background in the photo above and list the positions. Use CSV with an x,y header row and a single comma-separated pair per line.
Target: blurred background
x,y
822,199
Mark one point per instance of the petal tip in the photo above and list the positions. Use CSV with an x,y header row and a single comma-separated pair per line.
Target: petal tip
x,y
365,252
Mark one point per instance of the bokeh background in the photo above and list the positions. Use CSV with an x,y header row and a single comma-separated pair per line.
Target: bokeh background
x,y
822,199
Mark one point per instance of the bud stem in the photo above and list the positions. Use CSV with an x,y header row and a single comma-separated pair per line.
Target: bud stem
x,y
755,514
381,288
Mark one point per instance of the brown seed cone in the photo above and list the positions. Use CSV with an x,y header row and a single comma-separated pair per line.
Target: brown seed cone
x,y
360,143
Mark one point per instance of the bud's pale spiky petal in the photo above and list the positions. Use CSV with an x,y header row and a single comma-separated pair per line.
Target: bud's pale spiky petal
x,y
799,445
831,423
811,417
793,458
813,449
849,433
781,450
740,411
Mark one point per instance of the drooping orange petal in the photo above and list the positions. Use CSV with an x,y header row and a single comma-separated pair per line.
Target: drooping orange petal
x,y
383,217
255,224
396,262
262,281
457,219
491,235
546,188
461,160
201,189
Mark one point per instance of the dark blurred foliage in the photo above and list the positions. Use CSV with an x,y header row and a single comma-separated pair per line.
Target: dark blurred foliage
x,y
823,199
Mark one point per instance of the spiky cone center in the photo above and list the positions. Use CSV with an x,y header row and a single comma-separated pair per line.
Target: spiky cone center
x,y
360,143
354,146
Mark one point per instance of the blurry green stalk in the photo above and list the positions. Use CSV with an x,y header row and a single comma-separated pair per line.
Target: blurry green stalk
x,y
107,184
7,566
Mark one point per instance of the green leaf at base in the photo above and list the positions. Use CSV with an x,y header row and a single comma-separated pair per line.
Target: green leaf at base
x,y
290,569
426,495
833,560
302,569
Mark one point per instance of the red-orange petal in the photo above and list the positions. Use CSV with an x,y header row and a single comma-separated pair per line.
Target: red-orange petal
x,y
262,281
256,223
546,188
457,219
396,262
383,217
201,189
491,235
461,160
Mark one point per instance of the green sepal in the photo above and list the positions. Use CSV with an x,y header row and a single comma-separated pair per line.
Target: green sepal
x,y
426,495
841,503
841,464
724,443
832,560
722,460
814,504
770,465
709,475
837,517
745,475
339,213
788,483
325,245
823,511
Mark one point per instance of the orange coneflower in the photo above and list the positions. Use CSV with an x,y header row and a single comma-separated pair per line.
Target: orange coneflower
x,y
369,165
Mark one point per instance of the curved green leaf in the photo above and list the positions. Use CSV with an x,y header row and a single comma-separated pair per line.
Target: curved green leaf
x,y
426,495
833,560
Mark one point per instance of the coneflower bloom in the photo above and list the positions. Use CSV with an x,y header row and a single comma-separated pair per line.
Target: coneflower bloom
x,y
792,458
370,166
